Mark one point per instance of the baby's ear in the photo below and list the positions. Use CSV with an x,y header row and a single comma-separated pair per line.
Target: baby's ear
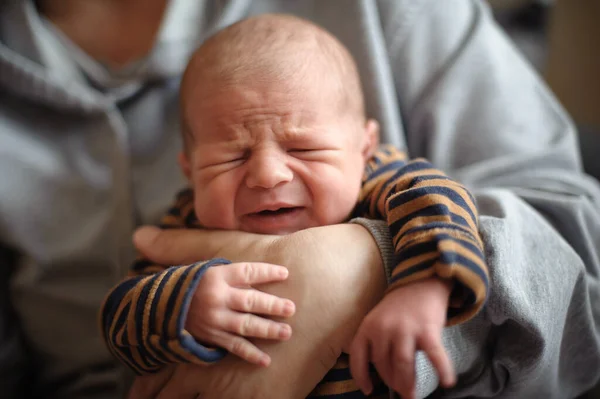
x,y
371,141
184,164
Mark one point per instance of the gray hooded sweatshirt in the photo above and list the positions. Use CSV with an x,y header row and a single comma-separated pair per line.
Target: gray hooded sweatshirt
x,y
88,153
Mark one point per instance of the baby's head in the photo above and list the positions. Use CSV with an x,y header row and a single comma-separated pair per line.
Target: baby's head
x,y
275,133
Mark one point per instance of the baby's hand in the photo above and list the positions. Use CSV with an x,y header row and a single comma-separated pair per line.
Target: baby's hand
x,y
407,319
225,309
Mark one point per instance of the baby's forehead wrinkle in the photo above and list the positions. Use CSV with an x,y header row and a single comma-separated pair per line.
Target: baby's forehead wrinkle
x,y
256,128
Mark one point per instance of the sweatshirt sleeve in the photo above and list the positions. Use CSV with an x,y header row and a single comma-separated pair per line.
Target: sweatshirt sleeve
x,y
477,110
433,223
143,317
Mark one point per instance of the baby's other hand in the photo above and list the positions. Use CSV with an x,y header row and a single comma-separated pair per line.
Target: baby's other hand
x,y
226,308
407,319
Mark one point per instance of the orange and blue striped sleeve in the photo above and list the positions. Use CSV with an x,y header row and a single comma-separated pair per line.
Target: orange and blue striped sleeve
x,y
433,221
143,318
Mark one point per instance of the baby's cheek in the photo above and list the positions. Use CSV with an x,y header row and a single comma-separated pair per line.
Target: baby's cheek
x,y
212,217
214,208
338,200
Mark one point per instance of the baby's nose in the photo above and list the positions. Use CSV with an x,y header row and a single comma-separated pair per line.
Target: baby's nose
x,y
267,170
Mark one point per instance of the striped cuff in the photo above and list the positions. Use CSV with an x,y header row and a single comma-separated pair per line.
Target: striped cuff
x,y
186,340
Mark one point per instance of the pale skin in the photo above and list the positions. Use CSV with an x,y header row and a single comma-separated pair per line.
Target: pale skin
x,y
315,346
274,158
122,31
226,308
318,292
389,339
262,162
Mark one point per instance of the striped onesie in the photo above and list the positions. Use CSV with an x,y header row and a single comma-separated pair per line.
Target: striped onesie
x,y
433,223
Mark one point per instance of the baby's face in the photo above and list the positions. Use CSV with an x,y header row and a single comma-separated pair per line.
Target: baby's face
x,y
273,159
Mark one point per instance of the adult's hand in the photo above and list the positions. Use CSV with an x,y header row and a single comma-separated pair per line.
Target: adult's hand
x,y
335,277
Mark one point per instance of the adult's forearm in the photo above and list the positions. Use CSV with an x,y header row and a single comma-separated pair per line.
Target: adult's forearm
x,y
333,291
335,277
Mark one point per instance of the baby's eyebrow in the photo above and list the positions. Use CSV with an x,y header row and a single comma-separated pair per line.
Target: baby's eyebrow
x,y
238,145
296,134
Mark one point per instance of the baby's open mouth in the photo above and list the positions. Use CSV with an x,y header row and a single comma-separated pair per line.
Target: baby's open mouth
x,y
280,211
275,219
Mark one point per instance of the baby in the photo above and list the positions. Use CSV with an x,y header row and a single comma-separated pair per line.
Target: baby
x,y
276,140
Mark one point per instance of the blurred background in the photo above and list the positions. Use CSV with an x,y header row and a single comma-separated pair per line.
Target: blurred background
x,y
561,39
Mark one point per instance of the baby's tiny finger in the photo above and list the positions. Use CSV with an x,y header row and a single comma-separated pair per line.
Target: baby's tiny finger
x,y
403,361
252,273
435,351
257,302
382,359
249,325
359,363
242,348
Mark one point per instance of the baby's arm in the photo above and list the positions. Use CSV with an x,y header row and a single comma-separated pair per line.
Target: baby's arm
x,y
433,222
161,315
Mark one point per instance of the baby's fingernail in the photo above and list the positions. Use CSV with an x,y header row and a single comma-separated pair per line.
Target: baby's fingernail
x,y
285,332
282,272
289,308
265,360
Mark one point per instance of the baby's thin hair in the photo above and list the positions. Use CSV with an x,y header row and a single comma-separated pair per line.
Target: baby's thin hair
x,y
275,46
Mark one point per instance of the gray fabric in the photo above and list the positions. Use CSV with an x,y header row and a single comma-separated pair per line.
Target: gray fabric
x,y
81,169
380,232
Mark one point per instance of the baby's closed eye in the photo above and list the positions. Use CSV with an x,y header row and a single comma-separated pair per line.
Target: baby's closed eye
x,y
311,153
